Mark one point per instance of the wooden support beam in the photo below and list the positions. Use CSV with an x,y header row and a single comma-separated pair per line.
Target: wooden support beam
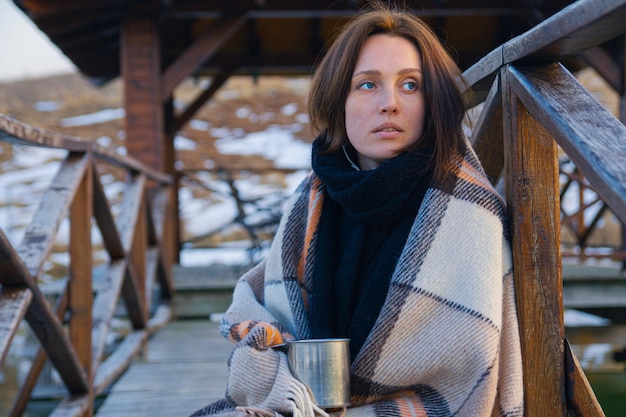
x,y
138,258
218,80
205,46
581,25
79,286
42,320
143,102
163,234
53,208
580,398
103,309
487,134
591,136
532,190
20,402
13,305
130,225
104,219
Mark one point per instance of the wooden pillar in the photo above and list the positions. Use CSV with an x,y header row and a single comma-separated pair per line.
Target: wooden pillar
x,y
171,252
141,73
532,191
80,285
148,113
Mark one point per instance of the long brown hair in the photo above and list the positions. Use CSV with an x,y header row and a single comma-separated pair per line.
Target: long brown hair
x,y
443,99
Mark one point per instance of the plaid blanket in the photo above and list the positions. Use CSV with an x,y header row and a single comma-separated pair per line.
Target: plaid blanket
x,y
446,342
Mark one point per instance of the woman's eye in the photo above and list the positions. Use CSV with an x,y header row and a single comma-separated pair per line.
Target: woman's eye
x,y
367,85
410,85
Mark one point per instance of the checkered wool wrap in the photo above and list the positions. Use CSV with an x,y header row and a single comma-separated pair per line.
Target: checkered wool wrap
x,y
446,342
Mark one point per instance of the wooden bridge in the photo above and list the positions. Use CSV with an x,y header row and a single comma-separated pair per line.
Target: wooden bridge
x,y
530,107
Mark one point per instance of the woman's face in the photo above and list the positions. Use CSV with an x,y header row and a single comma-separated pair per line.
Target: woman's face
x,y
385,106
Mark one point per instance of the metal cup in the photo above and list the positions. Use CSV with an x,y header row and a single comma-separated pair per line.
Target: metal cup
x,y
323,365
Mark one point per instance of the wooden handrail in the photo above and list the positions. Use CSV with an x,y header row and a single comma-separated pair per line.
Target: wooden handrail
x,y
592,137
574,29
17,132
138,254
531,103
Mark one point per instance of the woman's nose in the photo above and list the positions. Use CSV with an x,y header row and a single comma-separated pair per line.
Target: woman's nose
x,y
388,103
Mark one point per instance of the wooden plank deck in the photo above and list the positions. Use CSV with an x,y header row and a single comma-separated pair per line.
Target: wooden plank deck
x,y
183,369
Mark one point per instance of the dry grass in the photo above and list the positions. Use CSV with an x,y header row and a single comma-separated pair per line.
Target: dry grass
x,y
262,102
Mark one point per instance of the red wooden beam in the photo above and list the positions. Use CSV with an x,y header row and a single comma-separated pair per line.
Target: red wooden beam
x,y
199,52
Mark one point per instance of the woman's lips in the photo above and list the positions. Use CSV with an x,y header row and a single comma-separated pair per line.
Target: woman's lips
x,y
387,130
388,127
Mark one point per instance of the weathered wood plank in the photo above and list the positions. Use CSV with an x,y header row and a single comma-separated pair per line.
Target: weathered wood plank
x,y
577,27
104,219
580,398
161,317
139,254
119,360
130,208
23,396
53,208
532,189
104,306
56,343
79,286
14,272
131,290
76,406
13,305
153,257
587,132
129,226
581,25
191,110
205,46
14,131
195,352
42,320
163,219
487,134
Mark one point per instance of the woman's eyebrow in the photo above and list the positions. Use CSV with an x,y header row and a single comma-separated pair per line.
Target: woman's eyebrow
x,y
403,71
366,72
409,70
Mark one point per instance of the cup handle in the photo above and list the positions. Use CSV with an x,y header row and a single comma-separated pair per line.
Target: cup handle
x,y
282,347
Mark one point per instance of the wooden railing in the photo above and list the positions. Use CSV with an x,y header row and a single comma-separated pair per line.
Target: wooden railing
x,y
533,105
73,333
588,215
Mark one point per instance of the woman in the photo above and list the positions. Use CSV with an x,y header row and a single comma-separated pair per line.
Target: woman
x,y
396,240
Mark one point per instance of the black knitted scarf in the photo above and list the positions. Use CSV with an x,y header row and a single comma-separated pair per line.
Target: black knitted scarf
x,y
363,228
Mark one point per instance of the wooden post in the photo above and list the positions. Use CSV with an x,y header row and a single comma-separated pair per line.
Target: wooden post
x,y
170,243
148,113
141,73
80,285
532,191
